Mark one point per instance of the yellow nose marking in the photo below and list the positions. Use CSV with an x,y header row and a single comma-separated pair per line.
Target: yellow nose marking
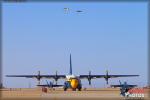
x,y
74,83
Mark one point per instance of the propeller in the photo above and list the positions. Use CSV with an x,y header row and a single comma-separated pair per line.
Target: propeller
x,y
38,77
89,78
106,77
56,77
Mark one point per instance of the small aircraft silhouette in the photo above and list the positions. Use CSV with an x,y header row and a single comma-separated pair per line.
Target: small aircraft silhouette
x,y
79,11
124,88
68,9
50,85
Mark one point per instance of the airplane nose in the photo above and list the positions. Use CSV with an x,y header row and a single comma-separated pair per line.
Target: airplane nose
x,y
74,83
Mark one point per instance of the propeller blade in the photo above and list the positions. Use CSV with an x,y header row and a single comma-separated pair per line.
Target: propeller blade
x,y
56,72
38,77
107,82
107,72
89,73
106,77
89,78
89,82
38,72
56,78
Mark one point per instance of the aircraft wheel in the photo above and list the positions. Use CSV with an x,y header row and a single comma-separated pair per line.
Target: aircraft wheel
x,y
79,89
65,89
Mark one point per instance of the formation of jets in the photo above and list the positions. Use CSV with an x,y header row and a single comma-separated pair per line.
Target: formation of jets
x,y
71,81
68,9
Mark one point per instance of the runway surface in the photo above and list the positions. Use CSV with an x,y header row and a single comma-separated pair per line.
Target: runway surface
x,y
59,94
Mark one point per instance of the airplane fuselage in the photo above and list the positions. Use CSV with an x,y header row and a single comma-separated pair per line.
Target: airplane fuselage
x,y
72,82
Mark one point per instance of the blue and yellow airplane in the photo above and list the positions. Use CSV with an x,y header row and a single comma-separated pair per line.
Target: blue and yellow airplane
x,y
72,81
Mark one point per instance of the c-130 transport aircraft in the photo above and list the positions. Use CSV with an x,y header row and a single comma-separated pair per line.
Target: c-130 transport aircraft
x,y
71,81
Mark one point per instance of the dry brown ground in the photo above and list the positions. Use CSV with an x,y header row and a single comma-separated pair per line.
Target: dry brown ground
x,y
59,94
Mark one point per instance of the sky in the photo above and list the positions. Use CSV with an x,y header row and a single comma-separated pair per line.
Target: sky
x,y
105,36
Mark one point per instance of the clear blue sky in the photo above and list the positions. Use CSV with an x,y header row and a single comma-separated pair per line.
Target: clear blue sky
x,y
40,36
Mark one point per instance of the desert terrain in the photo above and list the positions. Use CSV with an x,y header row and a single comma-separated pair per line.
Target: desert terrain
x,y
59,94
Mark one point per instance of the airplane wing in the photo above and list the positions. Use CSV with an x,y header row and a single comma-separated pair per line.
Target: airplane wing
x,y
116,85
105,76
123,85
132,85
115,76
39,76
45,85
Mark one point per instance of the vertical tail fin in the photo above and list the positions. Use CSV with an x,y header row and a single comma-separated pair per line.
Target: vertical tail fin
x,y
70,66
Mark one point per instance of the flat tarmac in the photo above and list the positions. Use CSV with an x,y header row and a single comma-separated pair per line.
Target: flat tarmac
x,y
59,94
